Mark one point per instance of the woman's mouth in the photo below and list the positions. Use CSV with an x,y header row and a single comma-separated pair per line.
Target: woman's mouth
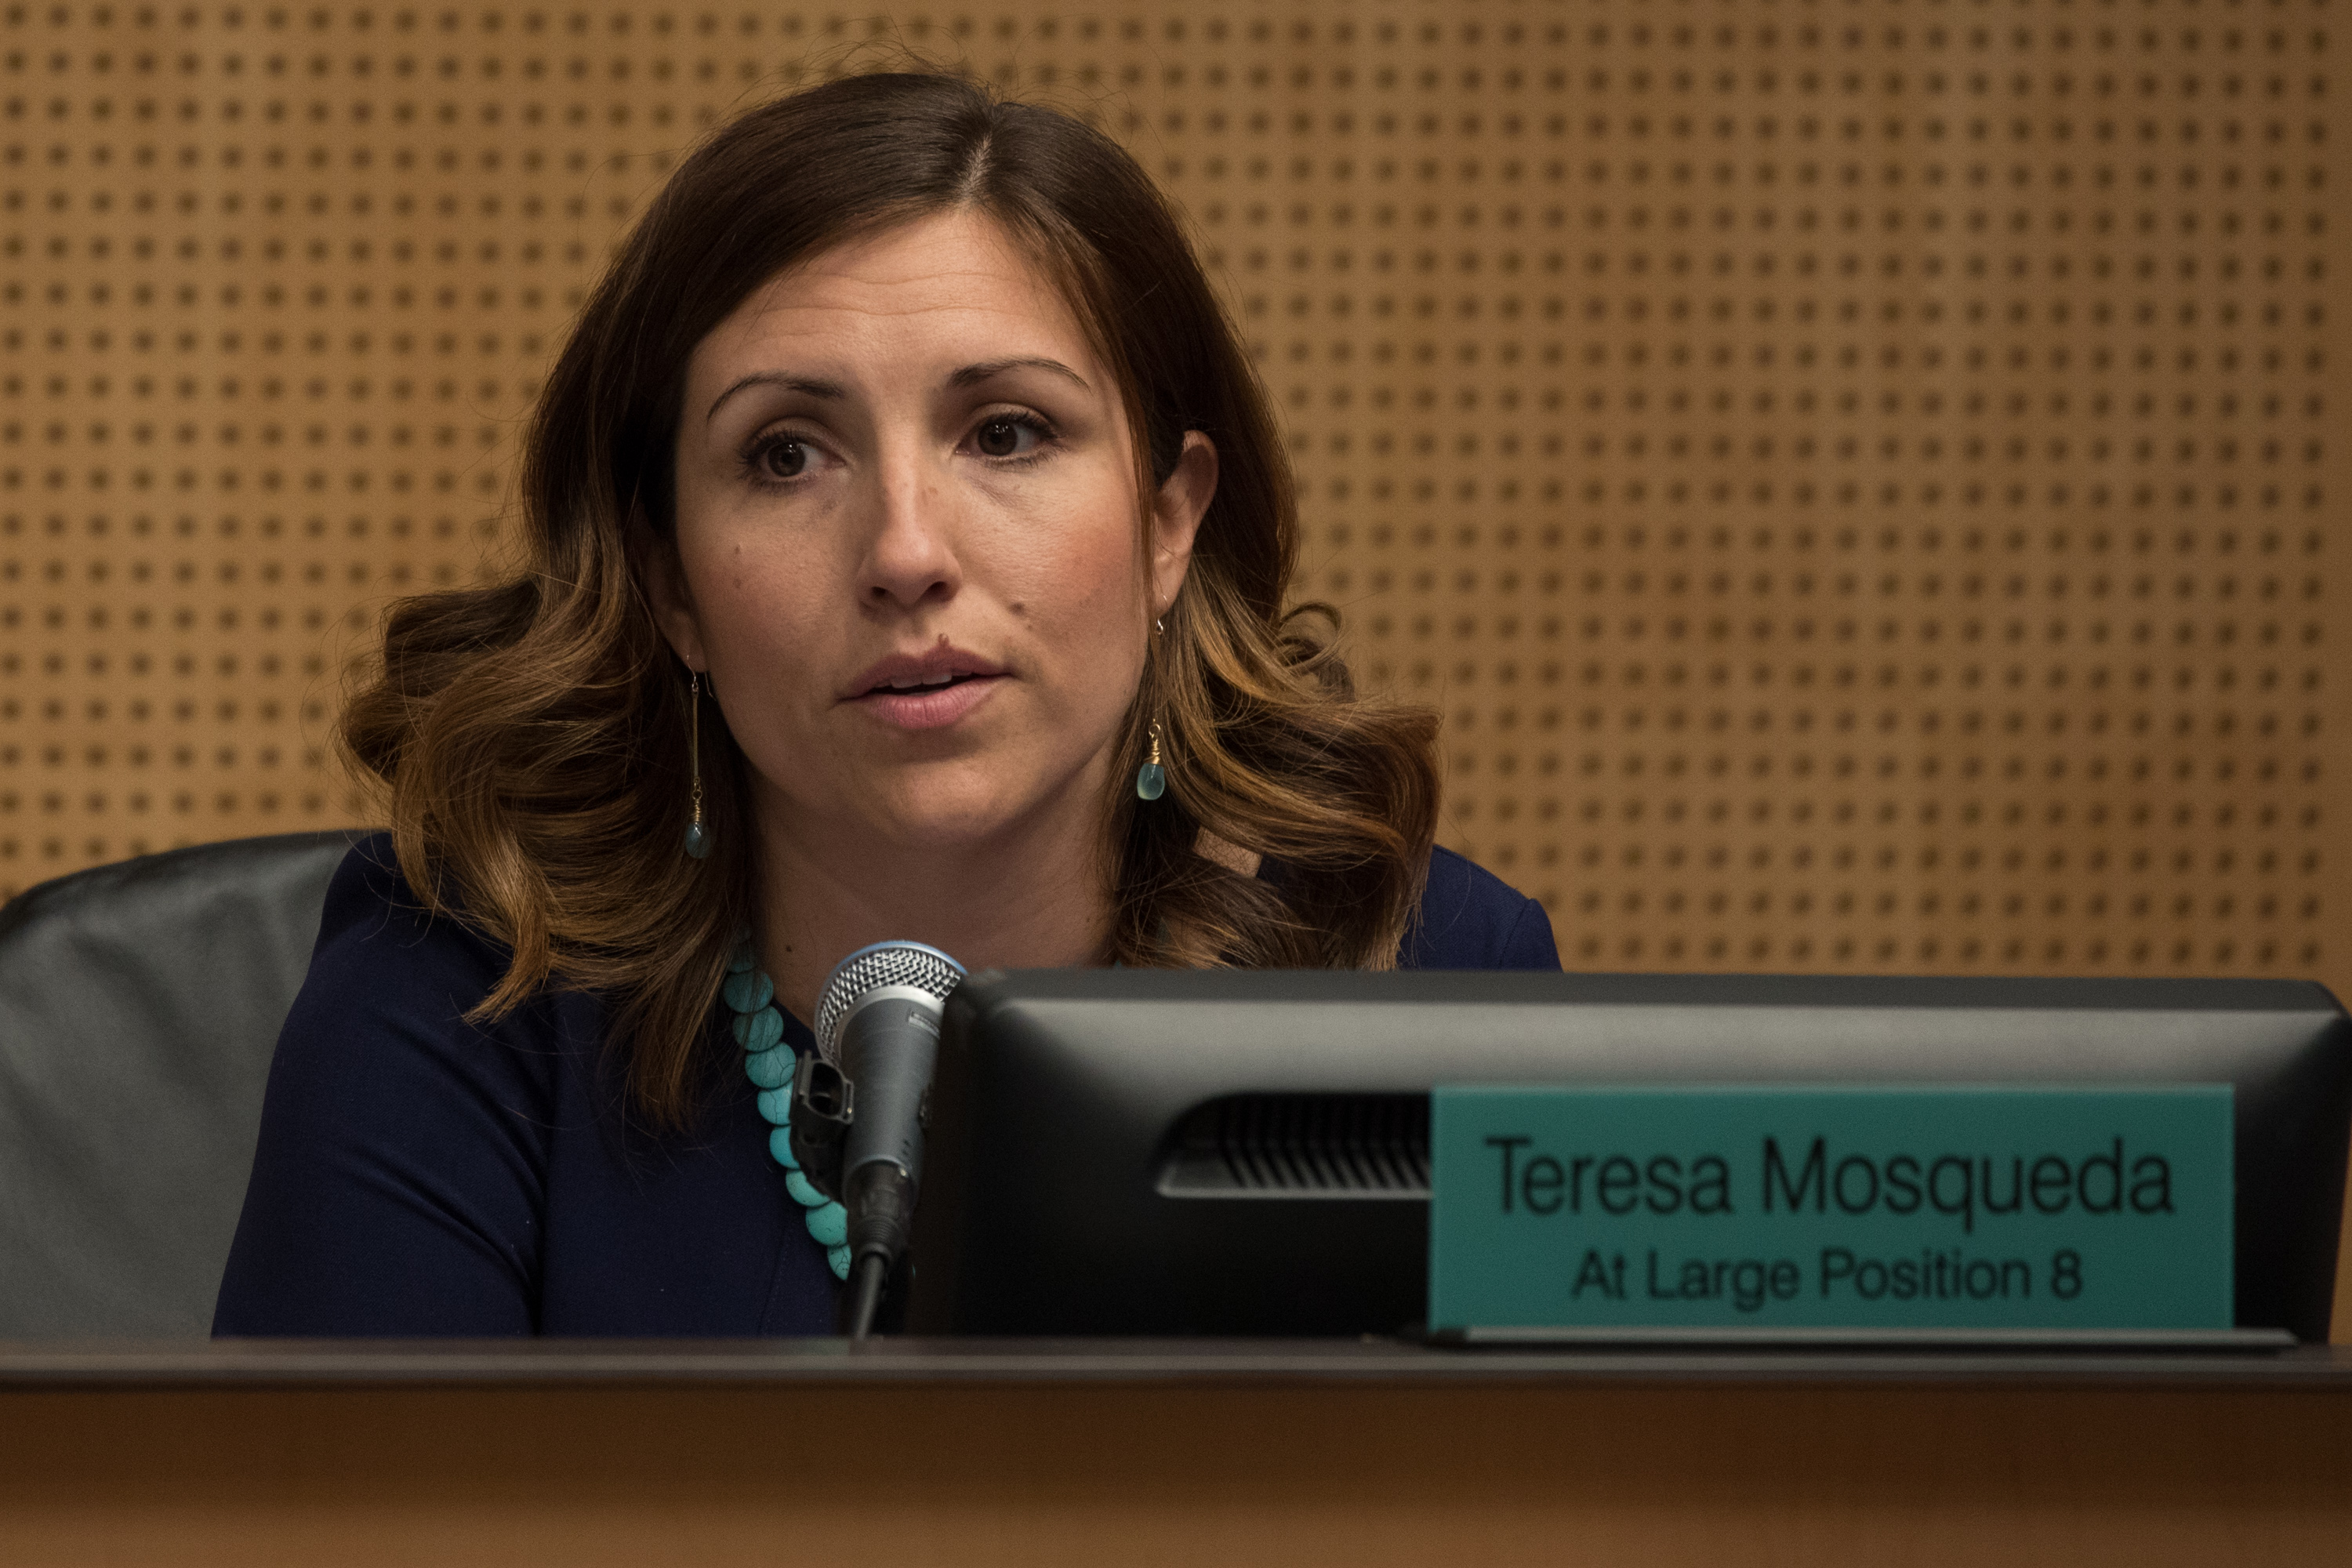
x,y
917,683
930,705
926,691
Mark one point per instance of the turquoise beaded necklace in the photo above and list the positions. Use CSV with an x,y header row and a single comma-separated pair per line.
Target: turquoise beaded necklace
x,y
770,1064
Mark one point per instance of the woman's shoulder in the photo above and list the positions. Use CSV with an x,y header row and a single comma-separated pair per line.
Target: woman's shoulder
x,y
1471,919
383,1050
418,973
398,1176
371,908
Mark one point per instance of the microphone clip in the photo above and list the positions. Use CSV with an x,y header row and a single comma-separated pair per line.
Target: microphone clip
x,y
825,1104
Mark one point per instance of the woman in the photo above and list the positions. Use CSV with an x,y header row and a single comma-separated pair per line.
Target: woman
x,y
908,537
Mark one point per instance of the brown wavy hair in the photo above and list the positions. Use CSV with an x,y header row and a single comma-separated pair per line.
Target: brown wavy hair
x,y
532,733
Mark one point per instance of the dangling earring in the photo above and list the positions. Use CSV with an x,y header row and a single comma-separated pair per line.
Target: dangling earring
x,y
698,838
1151,779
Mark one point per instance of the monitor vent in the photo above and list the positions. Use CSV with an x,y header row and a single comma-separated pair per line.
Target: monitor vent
x,y
1301,1145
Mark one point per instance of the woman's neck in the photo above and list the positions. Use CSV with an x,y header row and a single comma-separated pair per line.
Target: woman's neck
x,y
1035,898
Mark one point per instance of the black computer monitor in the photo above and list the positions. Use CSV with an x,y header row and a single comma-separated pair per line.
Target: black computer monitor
x,y
1158,1152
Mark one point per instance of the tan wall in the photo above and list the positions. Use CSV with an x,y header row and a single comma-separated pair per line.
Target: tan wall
x,y
1856,478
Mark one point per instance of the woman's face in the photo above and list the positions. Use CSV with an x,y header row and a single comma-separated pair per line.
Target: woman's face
x,y
907,548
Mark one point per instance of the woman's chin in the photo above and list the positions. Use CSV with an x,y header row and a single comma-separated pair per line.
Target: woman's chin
x,y
996,797
953,821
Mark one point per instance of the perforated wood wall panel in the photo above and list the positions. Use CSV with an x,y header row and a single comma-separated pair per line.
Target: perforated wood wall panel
x,y
1855,476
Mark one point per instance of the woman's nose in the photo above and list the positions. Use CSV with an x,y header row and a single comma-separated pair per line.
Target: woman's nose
x,y
911,558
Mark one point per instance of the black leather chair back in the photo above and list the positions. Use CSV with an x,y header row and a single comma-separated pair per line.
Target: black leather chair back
x,y
139,1006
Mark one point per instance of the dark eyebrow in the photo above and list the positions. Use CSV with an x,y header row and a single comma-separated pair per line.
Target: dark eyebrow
x,y
832,390
972,374
829,390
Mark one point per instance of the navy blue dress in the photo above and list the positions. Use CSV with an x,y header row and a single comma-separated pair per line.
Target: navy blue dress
x,y
419,1176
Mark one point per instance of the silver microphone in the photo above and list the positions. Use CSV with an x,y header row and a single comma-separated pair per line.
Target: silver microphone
x,y
877,1023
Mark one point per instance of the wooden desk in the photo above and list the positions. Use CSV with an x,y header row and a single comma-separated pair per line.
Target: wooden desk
x,y
1145,1454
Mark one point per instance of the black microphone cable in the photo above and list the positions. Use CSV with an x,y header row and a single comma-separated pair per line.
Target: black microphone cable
x,y
865,1277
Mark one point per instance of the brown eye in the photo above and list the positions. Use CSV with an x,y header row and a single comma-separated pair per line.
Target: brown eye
x,y
999,437
783,459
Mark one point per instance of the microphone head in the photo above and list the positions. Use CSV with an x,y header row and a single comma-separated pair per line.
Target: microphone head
x,y
886,963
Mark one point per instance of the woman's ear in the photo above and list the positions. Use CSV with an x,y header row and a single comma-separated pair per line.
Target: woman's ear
x,y
1176,514
658,567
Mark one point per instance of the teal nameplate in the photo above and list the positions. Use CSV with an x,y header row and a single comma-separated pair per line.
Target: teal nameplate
x,y
1713,1208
